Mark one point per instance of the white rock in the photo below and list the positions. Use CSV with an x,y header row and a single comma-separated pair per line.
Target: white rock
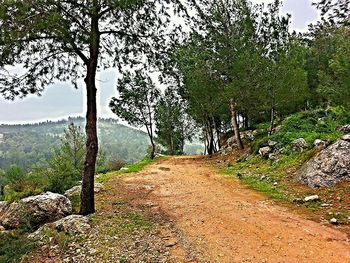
x,y
265,151
346,138
73,224
299,145
312,198
334,221
39,209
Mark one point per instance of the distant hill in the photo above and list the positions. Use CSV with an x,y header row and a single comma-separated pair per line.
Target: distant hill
x,y
27,144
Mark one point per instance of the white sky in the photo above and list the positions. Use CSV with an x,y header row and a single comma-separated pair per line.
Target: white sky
x,y
62,100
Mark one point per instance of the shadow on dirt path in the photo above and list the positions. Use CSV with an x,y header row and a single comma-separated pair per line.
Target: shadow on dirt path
x,y
226,222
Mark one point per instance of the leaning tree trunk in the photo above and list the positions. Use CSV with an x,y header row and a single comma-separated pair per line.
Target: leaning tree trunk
x,y
234,123
87,205
272,125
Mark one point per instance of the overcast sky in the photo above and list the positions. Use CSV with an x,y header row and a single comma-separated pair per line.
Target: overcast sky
x,y
62,100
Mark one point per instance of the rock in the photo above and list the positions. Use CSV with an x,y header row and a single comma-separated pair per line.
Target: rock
x,y
312,198
299,145
272,144
47,207
36,210
320,144
2,229
273,157
334,221
328,167
298,201
77,189
73,191
73,224
247,135
124,169
345,128
265,151
231,141
346,138
10,215
98,187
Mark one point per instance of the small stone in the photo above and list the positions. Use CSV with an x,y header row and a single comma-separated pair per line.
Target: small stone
x,y
2,229
334,221
346,138
312,198
298,201
275,183
272,143
325,205
265,151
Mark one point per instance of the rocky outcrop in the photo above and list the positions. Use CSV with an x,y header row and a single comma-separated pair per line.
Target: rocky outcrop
x,y
328,167
36,210
73,225
10,215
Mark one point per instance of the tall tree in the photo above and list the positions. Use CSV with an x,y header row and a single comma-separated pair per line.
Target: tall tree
x,y
67,40
173,125
137,101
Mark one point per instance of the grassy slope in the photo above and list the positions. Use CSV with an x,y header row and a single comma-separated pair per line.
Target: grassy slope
x,y
278,180
15,244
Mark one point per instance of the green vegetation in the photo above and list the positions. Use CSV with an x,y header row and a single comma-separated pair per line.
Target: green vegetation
x,y
310,125
13,246
132,168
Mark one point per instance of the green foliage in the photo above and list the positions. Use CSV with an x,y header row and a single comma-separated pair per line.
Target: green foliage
x,y
173,125
13,246
115,165
310,125
137,101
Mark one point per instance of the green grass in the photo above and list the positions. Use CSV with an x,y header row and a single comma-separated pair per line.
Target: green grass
x,y
132,168
13,246
267,176
125,223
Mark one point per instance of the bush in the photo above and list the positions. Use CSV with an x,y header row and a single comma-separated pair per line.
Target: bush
x,y
310,125
13,246
115,165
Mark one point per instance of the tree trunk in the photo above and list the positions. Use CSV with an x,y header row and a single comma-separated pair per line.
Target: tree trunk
x,y
272,125
153,150
87,205
234,123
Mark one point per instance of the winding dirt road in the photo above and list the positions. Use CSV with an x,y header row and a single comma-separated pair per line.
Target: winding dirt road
x,y
227,222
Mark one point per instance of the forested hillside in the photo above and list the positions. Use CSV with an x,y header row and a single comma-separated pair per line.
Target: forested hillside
x,y
25,145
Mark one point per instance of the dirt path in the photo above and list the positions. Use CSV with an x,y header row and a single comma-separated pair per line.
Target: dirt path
x,y
227,222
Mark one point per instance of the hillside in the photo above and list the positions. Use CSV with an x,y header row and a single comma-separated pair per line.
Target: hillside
x,y
25,145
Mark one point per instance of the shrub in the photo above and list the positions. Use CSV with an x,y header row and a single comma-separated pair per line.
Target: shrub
x,y
115,165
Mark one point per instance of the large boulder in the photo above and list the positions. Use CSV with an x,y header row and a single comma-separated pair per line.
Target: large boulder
x,y
73,224
330,166
36,210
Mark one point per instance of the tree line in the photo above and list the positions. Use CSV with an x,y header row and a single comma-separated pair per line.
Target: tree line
x,y
238,66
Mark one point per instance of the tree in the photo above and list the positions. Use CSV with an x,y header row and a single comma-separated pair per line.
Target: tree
x,y
173,125
72,39
137,101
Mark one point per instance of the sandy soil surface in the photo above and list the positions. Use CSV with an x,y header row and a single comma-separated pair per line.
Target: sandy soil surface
x,y
226,222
